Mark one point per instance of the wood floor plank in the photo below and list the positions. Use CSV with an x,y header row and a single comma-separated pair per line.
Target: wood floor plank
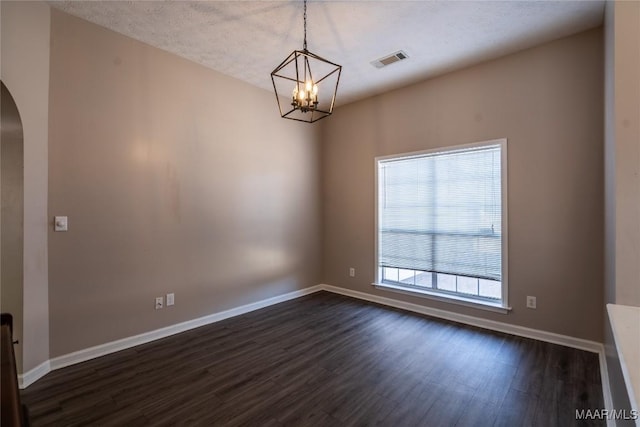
x,y
325,360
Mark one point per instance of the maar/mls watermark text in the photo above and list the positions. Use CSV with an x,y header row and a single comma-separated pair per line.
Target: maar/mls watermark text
x,y
607,414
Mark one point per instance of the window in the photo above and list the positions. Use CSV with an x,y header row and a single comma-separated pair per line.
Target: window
x,y
441,223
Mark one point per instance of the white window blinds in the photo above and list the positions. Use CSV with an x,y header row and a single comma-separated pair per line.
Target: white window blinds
x,y
441,212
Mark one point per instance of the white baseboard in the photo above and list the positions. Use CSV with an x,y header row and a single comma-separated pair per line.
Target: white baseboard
x,y
24,380
28,378
522,331
41,370
581,344
606,389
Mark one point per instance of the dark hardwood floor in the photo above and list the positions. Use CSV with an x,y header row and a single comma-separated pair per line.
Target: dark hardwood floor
x,y
325,360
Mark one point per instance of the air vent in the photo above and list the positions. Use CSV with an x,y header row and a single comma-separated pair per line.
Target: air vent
x,y
390,59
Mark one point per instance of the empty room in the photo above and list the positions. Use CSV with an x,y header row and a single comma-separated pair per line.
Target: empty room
x,y
320,213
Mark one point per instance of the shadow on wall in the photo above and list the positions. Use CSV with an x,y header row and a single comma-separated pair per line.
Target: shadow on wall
x,y
11,219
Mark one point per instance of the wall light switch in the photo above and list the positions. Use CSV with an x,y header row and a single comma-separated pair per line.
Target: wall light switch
x,y
60,223
352,272
170,299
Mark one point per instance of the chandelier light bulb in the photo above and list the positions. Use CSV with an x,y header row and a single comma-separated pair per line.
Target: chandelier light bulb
x,y
297,68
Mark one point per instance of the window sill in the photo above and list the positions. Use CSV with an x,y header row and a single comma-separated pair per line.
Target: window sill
x,y
453,299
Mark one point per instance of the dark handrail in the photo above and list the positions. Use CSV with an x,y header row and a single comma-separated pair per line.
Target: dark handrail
x,y
13,413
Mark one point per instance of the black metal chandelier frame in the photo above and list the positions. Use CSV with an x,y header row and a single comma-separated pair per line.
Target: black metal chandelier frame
x,y
305,93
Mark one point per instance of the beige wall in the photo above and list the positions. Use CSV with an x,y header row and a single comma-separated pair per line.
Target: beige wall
x,y
175,178
622,174
25,72
548,103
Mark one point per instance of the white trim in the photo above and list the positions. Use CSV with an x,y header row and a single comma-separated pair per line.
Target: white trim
x,y
33,375
38,372
522,331
438,296
125,343
578,343
504,204
504,241
625,323
122,344
606,388
442,149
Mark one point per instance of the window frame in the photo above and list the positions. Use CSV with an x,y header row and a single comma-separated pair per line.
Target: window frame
x,y
503,305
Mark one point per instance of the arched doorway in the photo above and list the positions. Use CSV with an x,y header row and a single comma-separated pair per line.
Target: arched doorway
x,y
12,214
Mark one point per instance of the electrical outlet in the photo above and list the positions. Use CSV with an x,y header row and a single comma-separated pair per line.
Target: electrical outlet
x,y
531,302
159,303
170,299
352,272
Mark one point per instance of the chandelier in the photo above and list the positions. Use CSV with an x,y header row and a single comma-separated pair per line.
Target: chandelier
x,y
314,81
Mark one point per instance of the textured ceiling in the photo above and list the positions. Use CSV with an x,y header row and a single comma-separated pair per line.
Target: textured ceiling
x,y
248,39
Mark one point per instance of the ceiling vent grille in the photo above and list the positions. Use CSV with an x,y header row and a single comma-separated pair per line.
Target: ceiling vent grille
x,y
390,59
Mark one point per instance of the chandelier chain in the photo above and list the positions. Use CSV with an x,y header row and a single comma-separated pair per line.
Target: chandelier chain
x,y
305,25
306,103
